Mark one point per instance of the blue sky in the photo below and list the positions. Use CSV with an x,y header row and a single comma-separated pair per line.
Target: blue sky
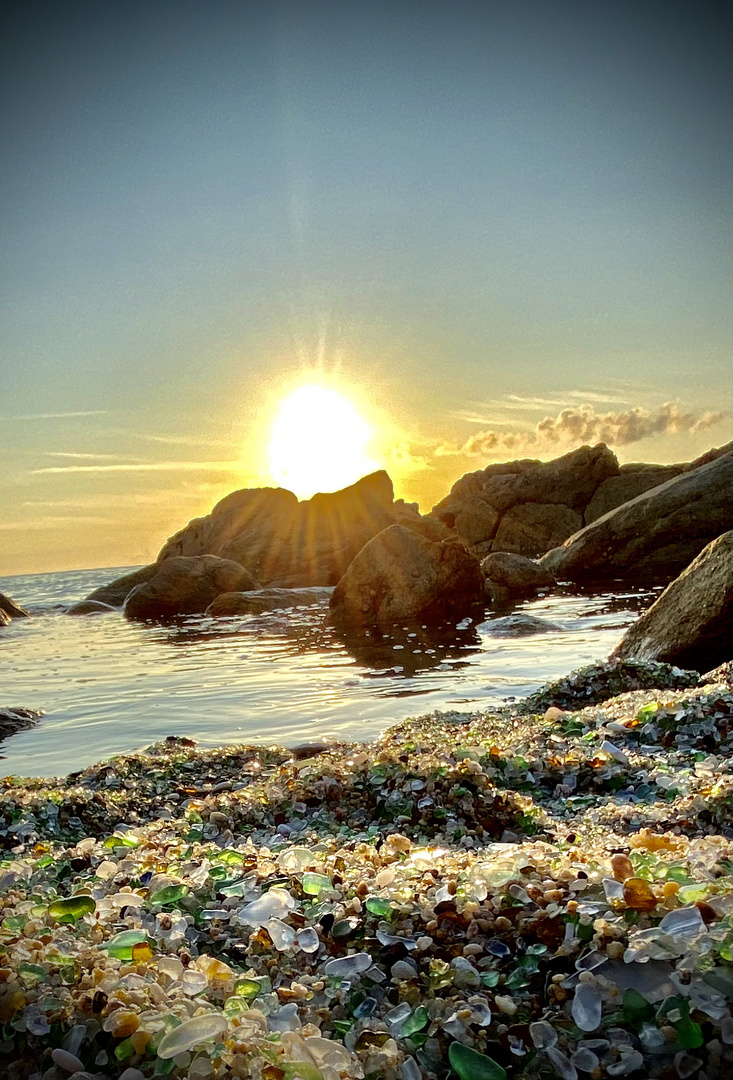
x,y
467,217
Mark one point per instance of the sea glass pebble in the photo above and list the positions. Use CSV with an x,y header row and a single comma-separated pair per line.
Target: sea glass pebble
x,y
308,940
73,907
190,1033
344,966
275,904
587,1007
471,1065
68,1062
638,894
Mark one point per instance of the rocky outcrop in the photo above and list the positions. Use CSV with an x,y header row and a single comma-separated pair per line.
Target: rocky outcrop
x,y
260,600
691,623
508,574
526,506
632,480
655,535
186,586
12,610
286,543
117,591
401,575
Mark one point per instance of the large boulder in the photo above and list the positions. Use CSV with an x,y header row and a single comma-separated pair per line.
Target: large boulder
x,y
400,575
653,536
186,586
525,506
536,527
255,603
286,543
116,592
691,623
11,609
631,481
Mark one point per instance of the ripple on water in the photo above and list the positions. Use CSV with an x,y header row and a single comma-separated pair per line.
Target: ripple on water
x,y
108,686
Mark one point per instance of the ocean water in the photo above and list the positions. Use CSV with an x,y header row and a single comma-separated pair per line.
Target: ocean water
x,y
107,686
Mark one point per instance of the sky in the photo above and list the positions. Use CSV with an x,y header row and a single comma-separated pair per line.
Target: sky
x,y
497,229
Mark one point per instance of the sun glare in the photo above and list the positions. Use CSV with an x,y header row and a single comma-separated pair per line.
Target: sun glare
x,y
318,442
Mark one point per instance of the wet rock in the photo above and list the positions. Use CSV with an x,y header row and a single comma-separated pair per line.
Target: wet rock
x,y
116,592
260,600
185,586
91,607
655,535
12,610
509,574
518,625
691,623
401,575
14,720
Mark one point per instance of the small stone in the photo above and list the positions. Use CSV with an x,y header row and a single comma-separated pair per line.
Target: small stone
x,y
308,940
622,867
505,1004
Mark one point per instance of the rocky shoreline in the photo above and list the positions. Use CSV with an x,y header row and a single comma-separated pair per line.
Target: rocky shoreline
x,y
529,893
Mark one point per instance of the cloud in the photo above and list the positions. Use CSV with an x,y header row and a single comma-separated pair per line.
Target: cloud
x,y
88,457
59,415
148,466
582,424
54,522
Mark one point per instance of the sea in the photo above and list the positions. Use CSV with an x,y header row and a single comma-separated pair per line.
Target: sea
x,y
108,686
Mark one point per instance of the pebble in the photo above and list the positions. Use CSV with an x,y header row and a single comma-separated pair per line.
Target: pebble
x,y
66,1061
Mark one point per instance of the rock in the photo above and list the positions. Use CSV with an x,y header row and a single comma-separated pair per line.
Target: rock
x,y
4,618
286,543
533,528
525,506
186,586
518,625
515,572
400,574
117,591
259,600
690,623
653,536
14,720
11,609
631,481
90,607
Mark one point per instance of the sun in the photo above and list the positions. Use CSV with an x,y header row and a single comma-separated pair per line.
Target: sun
x,y
318,442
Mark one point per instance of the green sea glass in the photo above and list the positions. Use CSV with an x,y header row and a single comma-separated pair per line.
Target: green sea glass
x,y
71,908
415,1023
169,894
313,884
377,905
121,946
470,1065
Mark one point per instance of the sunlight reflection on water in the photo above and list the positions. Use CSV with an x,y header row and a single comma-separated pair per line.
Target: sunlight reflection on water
x,y
108,686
